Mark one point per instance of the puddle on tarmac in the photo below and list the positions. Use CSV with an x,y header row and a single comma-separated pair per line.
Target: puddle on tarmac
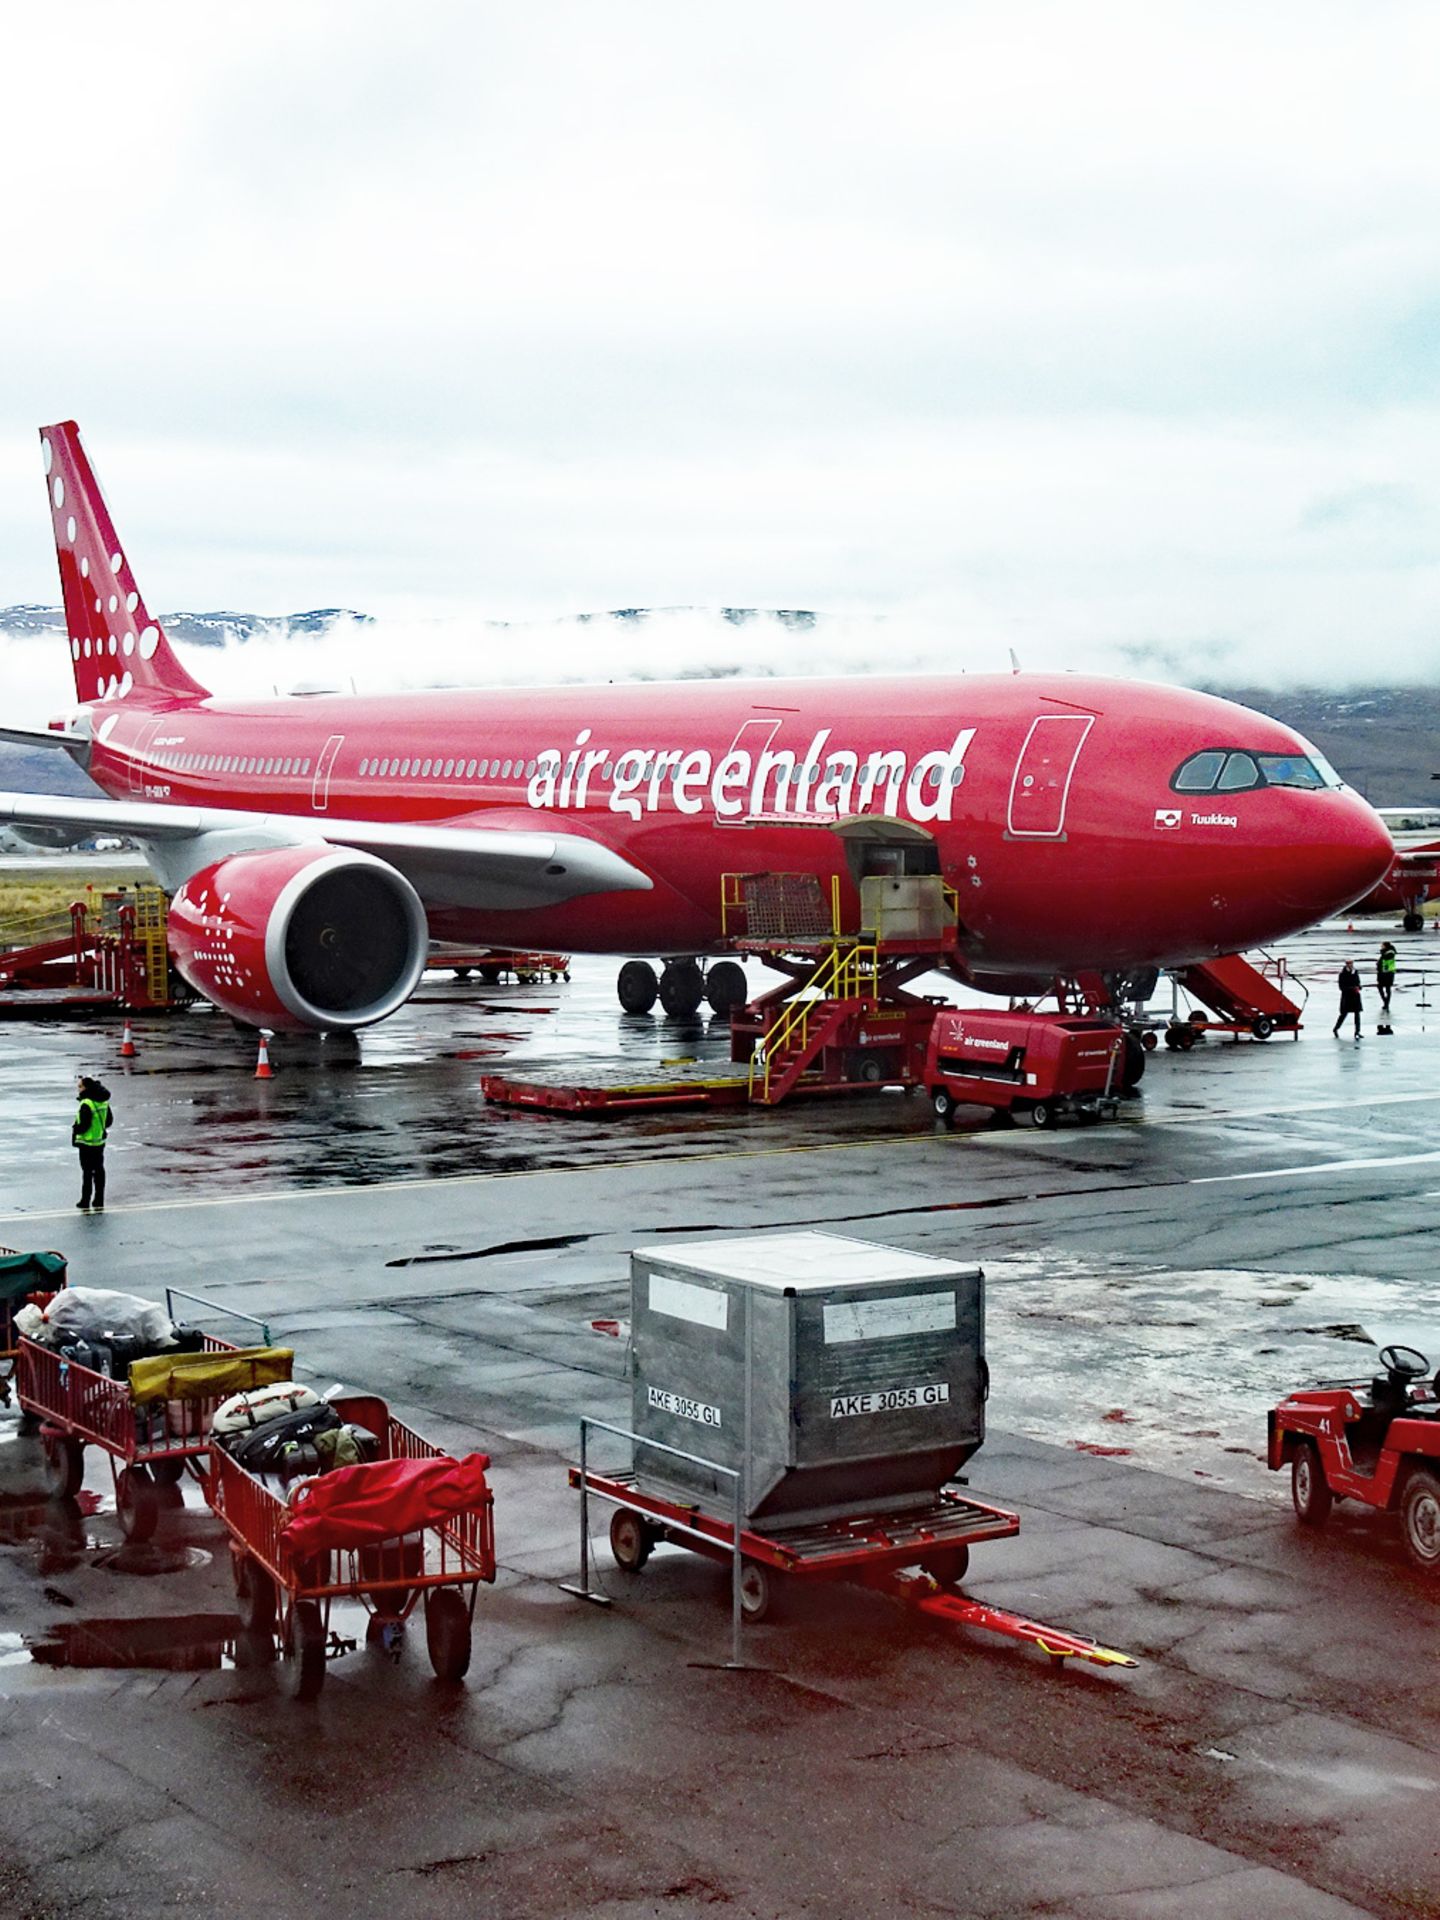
x,y
183,1643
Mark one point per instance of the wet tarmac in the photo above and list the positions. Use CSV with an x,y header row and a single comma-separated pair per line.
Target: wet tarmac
x,y
1259,1216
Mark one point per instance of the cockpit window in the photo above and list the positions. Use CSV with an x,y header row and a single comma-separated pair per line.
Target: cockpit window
x,y
1221,770
1199,773
1290,770
1240,774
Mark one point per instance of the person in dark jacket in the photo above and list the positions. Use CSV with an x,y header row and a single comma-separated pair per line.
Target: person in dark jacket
x,y
87,1136
1349,997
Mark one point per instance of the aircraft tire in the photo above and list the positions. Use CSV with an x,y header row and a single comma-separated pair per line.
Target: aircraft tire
x,y
726,986
1414,923
637,986
682,988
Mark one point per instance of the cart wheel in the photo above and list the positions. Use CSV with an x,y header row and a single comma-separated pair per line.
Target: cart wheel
x,y
757,1592
136,1503
254,1595
304,1668
949,1568
1262,1026
28,1425
1042,1114
943,1101
1309,1489
253,1649
1148,1040
631,1541
167,1473
447,1633
1185,1038
1420,1517
64,1465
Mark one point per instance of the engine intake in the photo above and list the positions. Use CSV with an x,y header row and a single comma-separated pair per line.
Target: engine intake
x,y
320,937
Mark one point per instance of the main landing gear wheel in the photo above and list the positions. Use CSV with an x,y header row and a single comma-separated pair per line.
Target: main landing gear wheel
x,y
944,1104
682,988
1414,923
136,1503
631,1541
726,986
637,986
447,1633
1309,1489
1420,1518
304,1667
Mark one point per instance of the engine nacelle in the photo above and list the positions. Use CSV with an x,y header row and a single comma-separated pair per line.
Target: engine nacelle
x,y
319,937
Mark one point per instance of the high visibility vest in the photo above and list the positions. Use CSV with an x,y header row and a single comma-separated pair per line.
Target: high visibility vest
x,y
1387,962
91,1133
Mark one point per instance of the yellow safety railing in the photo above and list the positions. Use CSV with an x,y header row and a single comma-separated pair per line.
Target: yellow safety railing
x,y
849,972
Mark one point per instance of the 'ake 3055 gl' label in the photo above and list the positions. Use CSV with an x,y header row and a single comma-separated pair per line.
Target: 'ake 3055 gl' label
x,y
843,1406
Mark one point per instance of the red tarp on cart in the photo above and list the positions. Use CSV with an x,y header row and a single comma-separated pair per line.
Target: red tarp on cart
x,y
381,1499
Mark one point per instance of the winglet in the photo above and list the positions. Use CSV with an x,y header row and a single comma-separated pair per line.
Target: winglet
x,y
116,649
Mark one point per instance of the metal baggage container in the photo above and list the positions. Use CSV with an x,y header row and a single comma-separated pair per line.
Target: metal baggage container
x,y
834,1375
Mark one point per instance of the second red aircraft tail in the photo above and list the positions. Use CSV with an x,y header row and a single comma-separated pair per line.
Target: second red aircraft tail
x,y
116,649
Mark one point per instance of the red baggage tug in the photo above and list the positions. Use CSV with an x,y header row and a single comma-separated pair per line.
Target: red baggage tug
x,y
1036,1066
1377,1444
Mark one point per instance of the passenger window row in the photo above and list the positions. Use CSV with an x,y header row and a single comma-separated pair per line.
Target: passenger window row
x,y
293,766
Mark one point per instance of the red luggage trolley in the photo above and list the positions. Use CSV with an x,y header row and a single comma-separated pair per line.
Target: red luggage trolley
x,y
149,1446
47,1272
287,1596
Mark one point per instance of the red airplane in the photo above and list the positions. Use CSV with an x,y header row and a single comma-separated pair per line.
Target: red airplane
x,y
315,845
1414,876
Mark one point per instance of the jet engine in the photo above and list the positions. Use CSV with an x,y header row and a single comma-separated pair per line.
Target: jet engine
x,y
320,937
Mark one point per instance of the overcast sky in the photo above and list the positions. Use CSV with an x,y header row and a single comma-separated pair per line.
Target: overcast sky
x,y
1107,332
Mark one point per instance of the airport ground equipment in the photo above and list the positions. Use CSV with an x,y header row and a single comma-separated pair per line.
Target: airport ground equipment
x,y
919,1558
151,1441
24,1277
1241,997
491,964
105,952
441,1559
1375,1442
1037,1067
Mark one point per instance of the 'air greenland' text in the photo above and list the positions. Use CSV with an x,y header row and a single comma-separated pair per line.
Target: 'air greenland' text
x,y
822,782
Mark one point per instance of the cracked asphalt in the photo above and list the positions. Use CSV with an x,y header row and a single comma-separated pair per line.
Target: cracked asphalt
x,y
1260,1216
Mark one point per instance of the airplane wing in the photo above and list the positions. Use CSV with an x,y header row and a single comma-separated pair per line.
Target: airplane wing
x,y
500,867
77,745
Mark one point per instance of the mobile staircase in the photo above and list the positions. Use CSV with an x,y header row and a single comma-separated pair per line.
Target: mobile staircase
x,y
1241,998
105,952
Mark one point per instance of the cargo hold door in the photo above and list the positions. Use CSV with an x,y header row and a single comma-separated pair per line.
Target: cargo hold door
x,y
1041,784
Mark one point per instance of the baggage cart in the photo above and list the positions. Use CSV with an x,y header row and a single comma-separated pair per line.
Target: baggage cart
x,y
287,1597
150,1446
919,1554
25,1278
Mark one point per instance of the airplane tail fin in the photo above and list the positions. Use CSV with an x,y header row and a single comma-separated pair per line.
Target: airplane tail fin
x,y
116,649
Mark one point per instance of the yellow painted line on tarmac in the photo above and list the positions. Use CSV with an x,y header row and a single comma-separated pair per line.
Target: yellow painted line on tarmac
x,y
273,1197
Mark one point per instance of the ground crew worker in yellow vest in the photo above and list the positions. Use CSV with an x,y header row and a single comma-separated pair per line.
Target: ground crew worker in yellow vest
x,y
92,1123
1385,981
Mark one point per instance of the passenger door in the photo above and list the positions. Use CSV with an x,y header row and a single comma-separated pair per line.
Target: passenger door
x,y
1043,772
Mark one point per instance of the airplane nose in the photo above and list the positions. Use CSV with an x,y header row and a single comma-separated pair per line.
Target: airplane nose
x,y
1347,852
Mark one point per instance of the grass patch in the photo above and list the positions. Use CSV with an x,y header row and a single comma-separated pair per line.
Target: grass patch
x,y
21,897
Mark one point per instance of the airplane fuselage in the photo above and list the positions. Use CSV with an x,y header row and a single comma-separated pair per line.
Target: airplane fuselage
x,y
1049,800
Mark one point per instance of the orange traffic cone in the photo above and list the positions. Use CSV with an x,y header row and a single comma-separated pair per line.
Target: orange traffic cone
x,y
263,1069
127,1044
